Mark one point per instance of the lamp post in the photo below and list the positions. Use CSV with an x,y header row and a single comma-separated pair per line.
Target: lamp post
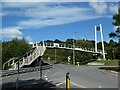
x,y
74,48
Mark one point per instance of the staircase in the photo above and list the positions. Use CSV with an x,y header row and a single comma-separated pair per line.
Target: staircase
x,y
26,59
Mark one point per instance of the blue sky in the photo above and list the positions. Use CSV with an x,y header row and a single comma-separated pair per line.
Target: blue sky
x,y
39,21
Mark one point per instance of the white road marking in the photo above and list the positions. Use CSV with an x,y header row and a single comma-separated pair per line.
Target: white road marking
x,y
60,83
71,83
78,85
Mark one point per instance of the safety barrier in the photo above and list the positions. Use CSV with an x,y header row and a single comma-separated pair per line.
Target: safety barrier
x,y
24,70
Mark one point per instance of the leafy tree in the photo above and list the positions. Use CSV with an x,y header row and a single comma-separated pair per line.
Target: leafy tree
x,y
69,41
116,17
57,41
14,48
49,41
116,23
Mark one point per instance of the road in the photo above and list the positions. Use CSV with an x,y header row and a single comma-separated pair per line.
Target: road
x,y
83,76
80,76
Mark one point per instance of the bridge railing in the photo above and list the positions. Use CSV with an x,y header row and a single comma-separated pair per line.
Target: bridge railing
x,y
69,46
27,58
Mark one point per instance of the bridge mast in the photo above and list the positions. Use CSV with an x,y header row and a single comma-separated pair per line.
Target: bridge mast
x,y
99,28
95,40
103,51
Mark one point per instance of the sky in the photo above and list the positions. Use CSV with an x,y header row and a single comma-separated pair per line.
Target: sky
x,y
40,21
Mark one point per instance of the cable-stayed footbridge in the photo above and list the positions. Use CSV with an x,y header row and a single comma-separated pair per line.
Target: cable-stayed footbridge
x,y
39,49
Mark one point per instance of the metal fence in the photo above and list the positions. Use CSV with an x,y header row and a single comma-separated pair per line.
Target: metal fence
x,y
23,70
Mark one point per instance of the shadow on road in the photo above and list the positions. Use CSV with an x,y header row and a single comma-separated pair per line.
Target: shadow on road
x,y
31,84
34,84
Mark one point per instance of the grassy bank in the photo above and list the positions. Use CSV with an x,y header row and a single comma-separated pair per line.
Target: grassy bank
x,y
109,62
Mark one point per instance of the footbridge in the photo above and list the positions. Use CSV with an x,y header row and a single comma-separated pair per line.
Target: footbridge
x,y
68,47
39,49
26,59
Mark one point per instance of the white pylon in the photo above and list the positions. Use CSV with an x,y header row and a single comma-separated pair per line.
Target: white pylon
x,y
95,40
103,51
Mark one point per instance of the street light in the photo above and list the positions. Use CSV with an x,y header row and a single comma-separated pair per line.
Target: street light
x,y
74,48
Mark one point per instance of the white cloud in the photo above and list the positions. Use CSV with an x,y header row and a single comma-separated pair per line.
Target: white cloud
x,y
49,14
11,32
113,8
103,7
19,4
99,7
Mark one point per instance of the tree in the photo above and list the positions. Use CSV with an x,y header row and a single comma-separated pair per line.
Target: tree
x,y
116,17
14,48
57,41
69,41
116,23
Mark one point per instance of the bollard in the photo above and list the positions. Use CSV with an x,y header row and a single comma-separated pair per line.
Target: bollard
x,y
67,81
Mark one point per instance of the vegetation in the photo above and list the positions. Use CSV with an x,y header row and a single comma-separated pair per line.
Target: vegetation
x,y
14,48
17,48
83,57
61,55
116,23
117,69
108,62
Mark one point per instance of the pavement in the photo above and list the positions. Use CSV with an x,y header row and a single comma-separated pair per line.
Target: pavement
x,y
80,77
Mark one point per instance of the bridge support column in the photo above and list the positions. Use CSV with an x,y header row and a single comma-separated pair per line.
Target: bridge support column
x,y
95,40
103,51
99,28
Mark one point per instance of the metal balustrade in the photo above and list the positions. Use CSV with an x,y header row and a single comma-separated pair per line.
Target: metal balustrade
x,y
26,59
70,47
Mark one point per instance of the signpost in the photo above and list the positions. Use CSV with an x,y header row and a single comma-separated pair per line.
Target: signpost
x,y
40,69
69,59
17,84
